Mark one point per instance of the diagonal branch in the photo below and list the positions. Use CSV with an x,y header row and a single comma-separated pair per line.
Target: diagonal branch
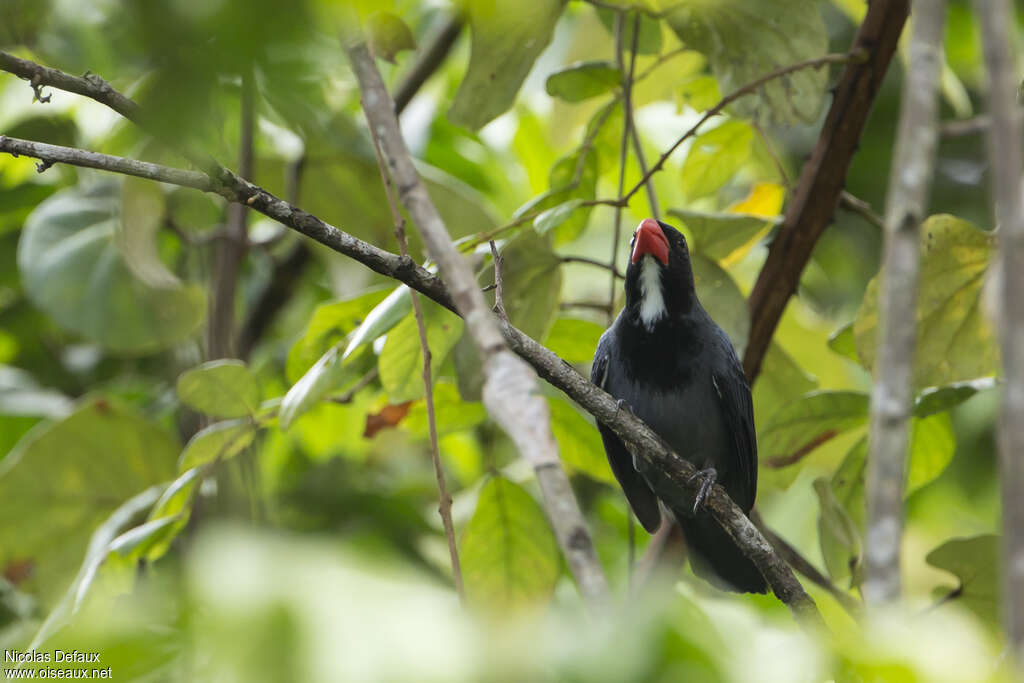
x,y
821,183
510,389
677,472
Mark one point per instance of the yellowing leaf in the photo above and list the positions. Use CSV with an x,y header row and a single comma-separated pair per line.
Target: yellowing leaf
x,y
765,199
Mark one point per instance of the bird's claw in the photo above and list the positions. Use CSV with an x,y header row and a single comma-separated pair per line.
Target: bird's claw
x,y
707,476
620,404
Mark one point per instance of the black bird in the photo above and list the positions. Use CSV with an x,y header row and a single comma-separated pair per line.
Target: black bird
x,y
666,360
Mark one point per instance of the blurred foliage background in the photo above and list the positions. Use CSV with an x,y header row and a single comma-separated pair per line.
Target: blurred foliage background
x,y
273,517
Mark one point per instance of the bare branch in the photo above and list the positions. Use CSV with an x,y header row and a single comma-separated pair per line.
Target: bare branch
x,y
427,61
893,394
811,209
1004,145
444,506
233,244
510,386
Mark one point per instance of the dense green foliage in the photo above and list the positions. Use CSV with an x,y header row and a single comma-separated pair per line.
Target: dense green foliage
x,y
275,517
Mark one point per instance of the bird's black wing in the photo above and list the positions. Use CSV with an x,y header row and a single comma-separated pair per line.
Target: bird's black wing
x,y
738,411
640,496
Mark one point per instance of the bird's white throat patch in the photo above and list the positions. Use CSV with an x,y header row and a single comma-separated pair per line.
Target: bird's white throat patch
x,y
652,299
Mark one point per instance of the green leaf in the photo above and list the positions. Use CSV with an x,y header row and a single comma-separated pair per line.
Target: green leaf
x,y
722,298
955,341
975,562
452,414
723,236
221,388
176,503
932,445
95,553
745,40
939,399
64,478
332,323
401,359
839,536
21,396
569,181
579,442
801,427
574,340
507,36
583,80
136,542
841,341
781,382
380,320
219,441
387,35
509,553
700,92
73,270
715,157
555,216
330,373
143,207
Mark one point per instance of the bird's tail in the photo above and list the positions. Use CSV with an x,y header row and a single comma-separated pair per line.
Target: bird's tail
x,y
715,557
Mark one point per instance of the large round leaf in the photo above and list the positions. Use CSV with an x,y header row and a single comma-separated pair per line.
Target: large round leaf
x,y
72,268
64,478
955,342
222,388
509,553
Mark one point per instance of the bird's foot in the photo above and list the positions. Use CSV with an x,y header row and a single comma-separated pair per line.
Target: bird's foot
x,y
620,404
707,476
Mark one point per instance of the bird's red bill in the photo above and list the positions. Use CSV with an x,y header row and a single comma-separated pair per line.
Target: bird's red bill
x,y
650,239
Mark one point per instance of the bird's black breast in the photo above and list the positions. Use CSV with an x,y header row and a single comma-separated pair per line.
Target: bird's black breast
x,y
672,378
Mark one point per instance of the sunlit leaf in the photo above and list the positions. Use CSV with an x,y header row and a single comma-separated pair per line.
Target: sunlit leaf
x,y
387,35
579,442
715,157
700,92
955,341
932,445
842,342
745,40
574,340
332,323
555,216
330,373
401,360
221,388
451,412
583,80
648,42
532,277
939,399
839,536
765,200
724,237
220,441
382,318
507,36
143,207
801,427
73,270
975,562
571,181
781,382
65,477
509,554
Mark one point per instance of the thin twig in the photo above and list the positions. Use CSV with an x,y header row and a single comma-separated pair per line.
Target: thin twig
x,y
747,89
627,104
360,384
427,61
961,127
444,507
627,120
1004,145
804,566
860,207
499,282
593,262
510,392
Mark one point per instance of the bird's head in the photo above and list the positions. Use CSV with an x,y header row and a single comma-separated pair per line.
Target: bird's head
x,y
659,278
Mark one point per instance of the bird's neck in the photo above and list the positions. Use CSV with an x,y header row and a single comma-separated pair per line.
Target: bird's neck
x,y
656,297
